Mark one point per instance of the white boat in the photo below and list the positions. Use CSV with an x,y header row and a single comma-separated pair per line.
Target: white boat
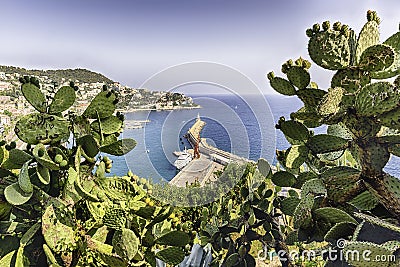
x,y
183,159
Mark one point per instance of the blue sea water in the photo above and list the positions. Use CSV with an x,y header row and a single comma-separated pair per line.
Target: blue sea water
x,y
232,125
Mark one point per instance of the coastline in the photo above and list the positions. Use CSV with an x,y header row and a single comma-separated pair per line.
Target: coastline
x,y
156,109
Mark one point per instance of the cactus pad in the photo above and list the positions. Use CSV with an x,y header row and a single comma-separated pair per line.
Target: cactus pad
x,y
377,58
378,222
339,130
174,238
324,143
119,148
330,104
15,195
308,117
63,99
109,125
282,86
289,205
313,186
298,76
42,128
117,188
102,104
391,119
394,69
115,218
330,49
297,156
340,230
171,255
56,228
368,36
283,179
310,96
16,158
392,184
333,215
375,252
294,129
24,180
126,243
365,201
302,213
263,167
34,96
89,145
303,177
43,158
350,79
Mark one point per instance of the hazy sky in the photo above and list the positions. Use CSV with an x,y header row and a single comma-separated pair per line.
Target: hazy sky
x,y
131,40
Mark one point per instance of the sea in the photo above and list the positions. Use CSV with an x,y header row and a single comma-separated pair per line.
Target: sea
x,y
242,125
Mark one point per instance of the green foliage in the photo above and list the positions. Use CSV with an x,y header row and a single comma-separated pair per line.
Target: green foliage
x,y
340,173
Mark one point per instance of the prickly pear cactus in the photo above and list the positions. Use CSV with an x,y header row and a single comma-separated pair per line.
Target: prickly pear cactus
x,y
347,163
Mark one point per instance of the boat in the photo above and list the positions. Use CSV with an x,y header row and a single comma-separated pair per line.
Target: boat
x,y
183,159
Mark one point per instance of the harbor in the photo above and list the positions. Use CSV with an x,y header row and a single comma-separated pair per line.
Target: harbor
x,y
206,161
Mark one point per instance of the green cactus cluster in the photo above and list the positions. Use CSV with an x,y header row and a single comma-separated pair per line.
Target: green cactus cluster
x,y
341,173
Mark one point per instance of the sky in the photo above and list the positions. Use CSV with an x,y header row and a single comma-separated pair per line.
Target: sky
x,y
131,40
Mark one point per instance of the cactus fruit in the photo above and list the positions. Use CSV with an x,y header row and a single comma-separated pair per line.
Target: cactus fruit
x,y
377,58
324,143
283,179
330,49
34,96
101,106
15,195
171,255
330,103
63,99
282,86
42,128
298,76
119,148
43,158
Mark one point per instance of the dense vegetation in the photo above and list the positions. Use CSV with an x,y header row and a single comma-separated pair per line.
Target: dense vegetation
x,y
83,75
57,207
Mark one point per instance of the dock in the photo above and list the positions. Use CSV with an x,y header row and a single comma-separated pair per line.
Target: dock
x,y
211,160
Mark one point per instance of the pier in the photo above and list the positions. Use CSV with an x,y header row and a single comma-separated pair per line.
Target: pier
x,y
211,159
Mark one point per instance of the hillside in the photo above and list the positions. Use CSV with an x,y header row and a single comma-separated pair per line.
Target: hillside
x,y
83,75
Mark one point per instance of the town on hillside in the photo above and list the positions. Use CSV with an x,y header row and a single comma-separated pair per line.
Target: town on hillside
x,y
13,105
